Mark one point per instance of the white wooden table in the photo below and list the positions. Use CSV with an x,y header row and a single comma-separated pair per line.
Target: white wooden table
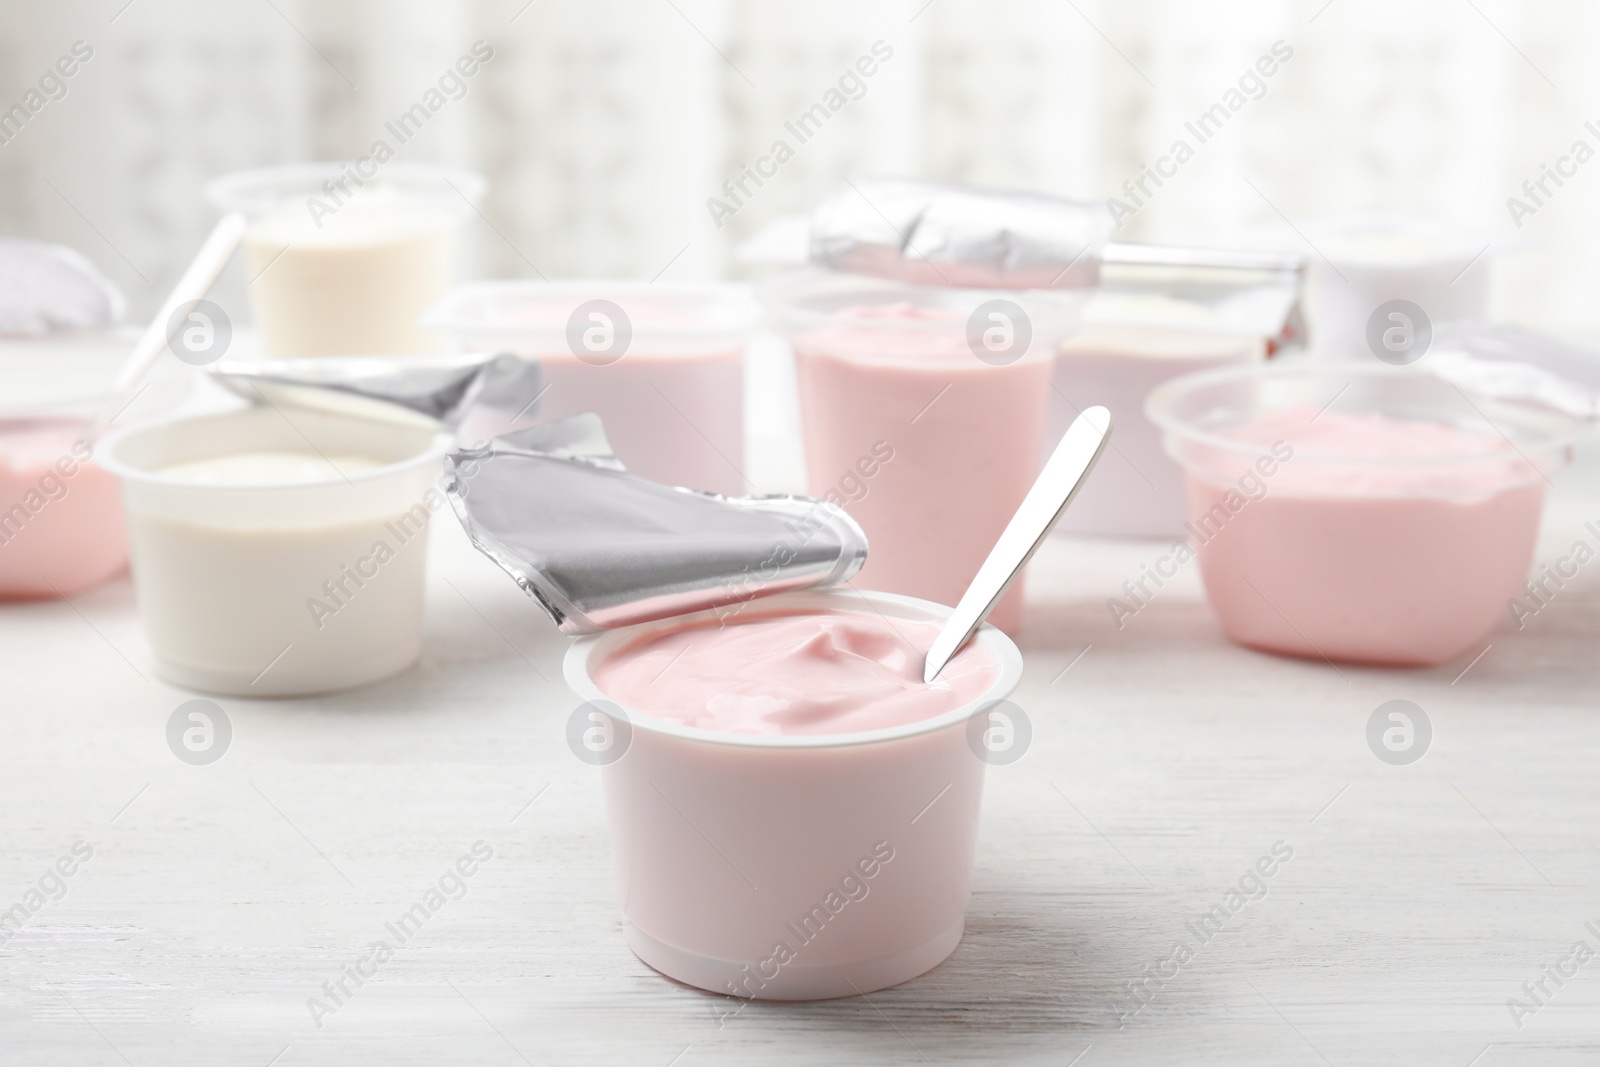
x,y
219,898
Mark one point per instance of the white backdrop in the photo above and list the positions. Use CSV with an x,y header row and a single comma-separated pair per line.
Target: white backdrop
x,y
605,126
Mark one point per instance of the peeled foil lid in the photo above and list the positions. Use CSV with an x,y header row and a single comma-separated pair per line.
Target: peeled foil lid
x,y
45,288
966,237
1511,363
598,547
497,391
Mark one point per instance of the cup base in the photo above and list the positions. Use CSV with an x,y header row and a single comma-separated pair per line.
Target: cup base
x,y
796,981
331,679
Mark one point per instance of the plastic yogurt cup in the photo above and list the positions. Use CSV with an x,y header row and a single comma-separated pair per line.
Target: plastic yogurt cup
x,y
61,525
1136,489
61,522
929,446
279,551
794,866
1363,262
1365,514
662,364
342,262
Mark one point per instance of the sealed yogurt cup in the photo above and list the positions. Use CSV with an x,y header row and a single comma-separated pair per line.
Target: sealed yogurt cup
x,y
279,551
61,525
1364,514
923,414
799,865
662,364
344,257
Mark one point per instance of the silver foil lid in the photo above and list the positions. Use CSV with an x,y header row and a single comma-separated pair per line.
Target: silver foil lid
x,y
498,390
960,236
1203,289
598,547
1512,363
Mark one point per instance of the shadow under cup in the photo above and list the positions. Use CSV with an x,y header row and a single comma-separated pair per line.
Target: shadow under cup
x,y
286,589
793,867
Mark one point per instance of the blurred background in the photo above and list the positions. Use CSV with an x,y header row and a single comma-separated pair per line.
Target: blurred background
x,y
605,127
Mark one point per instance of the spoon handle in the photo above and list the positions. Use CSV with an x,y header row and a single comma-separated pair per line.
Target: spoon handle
x,y
1057,484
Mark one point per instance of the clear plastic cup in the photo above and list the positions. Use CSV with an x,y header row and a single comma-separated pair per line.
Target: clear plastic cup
x,y
727,845
61,521
343,258
929,437
262,589
1348,553
61,524
661,363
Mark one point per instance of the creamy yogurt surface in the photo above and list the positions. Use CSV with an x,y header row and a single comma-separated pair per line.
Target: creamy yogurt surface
x,y
794,674
270,468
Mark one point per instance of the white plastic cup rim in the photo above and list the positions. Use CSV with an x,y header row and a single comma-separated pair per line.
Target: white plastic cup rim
x,y
590,650
106,456
1161,408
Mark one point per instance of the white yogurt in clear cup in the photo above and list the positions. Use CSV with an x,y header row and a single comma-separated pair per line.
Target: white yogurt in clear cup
x,y
279,551
340,268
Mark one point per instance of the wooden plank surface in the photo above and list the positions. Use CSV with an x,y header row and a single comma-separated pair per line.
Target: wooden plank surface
x,y
1165,762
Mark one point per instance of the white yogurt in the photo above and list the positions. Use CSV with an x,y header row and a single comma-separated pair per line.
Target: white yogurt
x,y
265,567
342,258
352,282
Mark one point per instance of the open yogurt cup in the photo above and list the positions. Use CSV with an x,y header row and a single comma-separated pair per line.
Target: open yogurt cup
x,y
923,413
853,852
294,575
662,364
1368,514
343,258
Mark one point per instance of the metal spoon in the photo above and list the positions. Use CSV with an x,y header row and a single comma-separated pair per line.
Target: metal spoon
x,y
1054,489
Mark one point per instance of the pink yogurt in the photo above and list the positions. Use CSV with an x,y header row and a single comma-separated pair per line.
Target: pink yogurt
x,y
1365,538
61,526
794,675
793,813
928,447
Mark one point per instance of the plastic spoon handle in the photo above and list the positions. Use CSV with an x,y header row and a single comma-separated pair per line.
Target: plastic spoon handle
x,y
195,283
1057,484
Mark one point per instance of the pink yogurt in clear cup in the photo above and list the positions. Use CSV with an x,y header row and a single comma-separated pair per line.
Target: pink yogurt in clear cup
x,y
1360,514
61,524
793,813
930,448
